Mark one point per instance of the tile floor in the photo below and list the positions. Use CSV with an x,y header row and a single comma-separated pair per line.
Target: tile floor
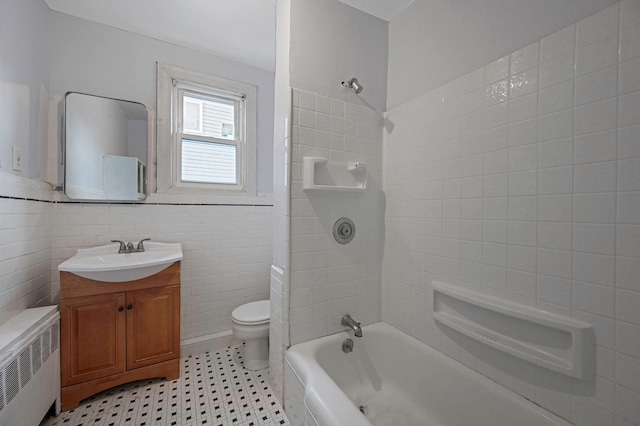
x,y
213,389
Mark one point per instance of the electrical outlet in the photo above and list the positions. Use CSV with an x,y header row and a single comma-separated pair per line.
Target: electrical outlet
x,y
17,159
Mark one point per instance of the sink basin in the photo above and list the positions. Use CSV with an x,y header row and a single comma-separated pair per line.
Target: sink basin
x,y
104,263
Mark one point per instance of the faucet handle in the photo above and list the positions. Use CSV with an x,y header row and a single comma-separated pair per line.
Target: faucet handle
x,y
141,244
123,246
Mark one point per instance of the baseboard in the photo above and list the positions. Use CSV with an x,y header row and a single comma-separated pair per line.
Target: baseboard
x,y
208,343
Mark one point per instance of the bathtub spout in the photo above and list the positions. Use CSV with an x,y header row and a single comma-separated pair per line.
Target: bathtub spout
x,y
355,326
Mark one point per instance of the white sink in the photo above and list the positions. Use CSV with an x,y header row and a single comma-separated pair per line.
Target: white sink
x,y
104,263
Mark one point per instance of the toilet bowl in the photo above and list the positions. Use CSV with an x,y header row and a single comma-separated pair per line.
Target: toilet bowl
x,y
250,322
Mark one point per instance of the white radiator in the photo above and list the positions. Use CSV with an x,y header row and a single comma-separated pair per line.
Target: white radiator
x,y
29,366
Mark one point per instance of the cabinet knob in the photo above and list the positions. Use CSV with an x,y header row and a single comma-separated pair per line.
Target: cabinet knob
x,y
129,307
120,309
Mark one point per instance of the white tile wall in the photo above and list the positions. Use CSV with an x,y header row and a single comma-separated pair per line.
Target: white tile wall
x,y
525,184
328,279
25,244
227,251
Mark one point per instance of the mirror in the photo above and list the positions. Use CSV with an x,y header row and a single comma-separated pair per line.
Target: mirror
x,y
106,150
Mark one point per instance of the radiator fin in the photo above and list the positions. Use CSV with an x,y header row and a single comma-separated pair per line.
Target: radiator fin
x,y
55,336
1,390
25,366
12,380
36,355
46,346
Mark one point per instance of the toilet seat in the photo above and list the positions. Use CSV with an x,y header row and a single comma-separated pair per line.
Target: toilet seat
x,y
253,313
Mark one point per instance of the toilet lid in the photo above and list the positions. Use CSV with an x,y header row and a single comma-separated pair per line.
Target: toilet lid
x,y
252,313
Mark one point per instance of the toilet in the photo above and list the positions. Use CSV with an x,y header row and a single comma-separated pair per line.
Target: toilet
x,y
250,322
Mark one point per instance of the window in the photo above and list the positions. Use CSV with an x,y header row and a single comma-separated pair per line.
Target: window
x,y
206,132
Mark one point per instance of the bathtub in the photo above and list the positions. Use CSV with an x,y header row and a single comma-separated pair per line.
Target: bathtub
x,y
395,380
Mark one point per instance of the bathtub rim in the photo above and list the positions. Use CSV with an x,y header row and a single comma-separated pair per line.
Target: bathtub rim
x,y
324,398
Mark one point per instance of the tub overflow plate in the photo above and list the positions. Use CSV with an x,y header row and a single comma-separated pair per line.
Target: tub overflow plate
x,y
344,230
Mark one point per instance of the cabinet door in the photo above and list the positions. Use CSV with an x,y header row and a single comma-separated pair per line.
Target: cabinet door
x,y
92,337
153,325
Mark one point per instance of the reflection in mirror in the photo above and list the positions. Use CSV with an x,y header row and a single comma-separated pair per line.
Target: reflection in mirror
x,y
105,148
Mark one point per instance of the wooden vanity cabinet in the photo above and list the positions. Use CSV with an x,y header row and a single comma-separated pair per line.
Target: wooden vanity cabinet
x,y
114,333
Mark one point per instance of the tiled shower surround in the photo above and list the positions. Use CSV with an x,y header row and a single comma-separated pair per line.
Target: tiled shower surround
x,y
522,180
330,279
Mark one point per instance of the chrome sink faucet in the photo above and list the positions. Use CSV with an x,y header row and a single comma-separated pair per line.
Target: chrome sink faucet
x,y
129,248
352,324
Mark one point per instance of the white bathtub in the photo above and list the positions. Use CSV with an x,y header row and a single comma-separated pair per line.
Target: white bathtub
x,y
400,381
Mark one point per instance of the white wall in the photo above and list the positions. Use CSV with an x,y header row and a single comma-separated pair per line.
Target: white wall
x,y
24,225
96,59
521,180
435,41
23,84
332,42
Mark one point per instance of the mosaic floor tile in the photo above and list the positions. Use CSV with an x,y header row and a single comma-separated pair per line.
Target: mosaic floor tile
x,y
213,390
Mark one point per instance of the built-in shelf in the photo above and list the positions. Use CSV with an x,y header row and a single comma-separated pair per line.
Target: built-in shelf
x,y
552,341
321,174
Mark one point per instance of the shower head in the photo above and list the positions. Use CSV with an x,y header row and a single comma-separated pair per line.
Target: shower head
x,y
353,84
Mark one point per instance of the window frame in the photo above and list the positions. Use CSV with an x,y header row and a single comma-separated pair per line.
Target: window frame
x,y
171,80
